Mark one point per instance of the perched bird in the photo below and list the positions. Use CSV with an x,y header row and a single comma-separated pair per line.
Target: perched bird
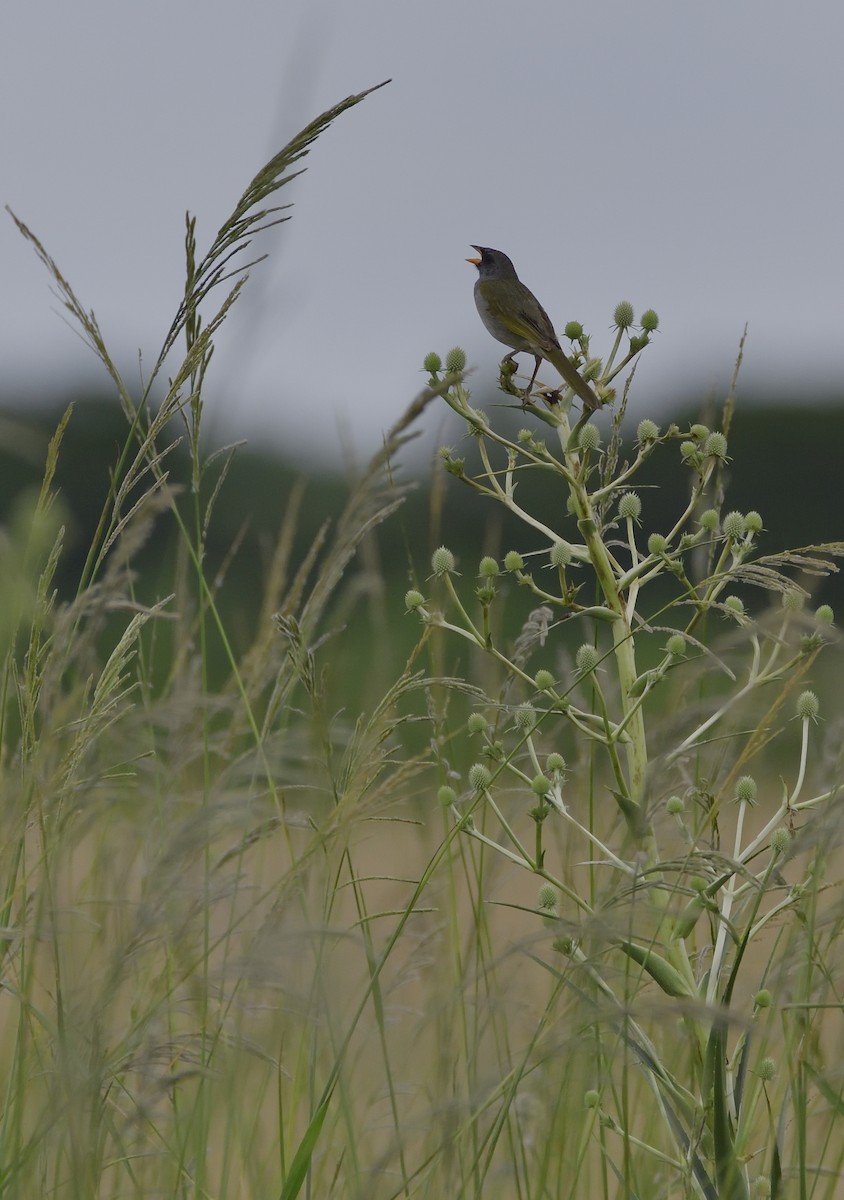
x,y
514,316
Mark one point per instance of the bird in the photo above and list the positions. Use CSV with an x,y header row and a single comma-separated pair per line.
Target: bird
x,y
514,316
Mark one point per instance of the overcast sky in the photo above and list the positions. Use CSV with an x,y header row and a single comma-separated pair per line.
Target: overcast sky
x,y
686,157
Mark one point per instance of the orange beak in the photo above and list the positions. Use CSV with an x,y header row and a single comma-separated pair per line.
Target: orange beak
x,y
476,262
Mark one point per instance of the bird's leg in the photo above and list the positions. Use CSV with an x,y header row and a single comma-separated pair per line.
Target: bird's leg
x,y
529,387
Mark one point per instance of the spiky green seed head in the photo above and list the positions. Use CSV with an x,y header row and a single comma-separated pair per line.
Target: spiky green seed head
x,y
715,446
525,717
698,884
735,604
524,435
455,360
573,331
589,437
476,723
623,316
675,806
543,680
657,544
413,600
513,561
555,764
808,706
479,777
442,561
753,521
767,1069
446,796
676,645
733,525
745,791
763,999
688,450
591,1099
561,554
647,431
592,370
793,600
433,363
699,432
649,321
587,658
456,467
630,507
546,899
824,615
540,785
780,841
488,568
709,520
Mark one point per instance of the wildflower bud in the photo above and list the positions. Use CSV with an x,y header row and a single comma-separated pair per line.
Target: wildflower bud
x,y
546,899
767,1069
525,717
807,706
593,368
657,544
735,604
513,561
456,466
733,525
824,615
455,360
699,432
753,521
543,680
715,446
745,792
623,316
676,645
674,805
488,568
587,658
589,438
560,554
433,363
555,763
709,520
688,449
524,435
476,723
698,884
479,777
442,561
763,999
629,507
780,841
649,321
573,331
793,600
446,796
413,600
540,785
591,1099
647,431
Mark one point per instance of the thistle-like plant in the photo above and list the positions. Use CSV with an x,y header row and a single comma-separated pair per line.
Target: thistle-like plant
x,y
635,721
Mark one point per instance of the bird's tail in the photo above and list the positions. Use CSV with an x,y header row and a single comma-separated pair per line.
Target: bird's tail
x,y
559,359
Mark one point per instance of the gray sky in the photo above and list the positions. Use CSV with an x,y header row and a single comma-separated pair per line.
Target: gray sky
x,y
686,157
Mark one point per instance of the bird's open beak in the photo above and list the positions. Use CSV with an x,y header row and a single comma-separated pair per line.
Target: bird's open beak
x,y
476,262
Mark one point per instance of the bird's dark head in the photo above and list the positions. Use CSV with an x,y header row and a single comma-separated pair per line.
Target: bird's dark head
x,y
493,264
